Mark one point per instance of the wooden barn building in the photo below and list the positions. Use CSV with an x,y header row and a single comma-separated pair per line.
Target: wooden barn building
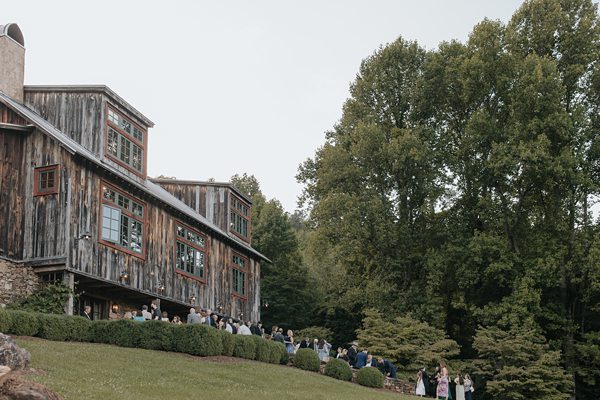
x,y
76,205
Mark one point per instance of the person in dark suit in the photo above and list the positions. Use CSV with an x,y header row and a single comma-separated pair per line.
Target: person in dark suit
x,y
426,381
255,329
352,353
387,368
87,313
361,359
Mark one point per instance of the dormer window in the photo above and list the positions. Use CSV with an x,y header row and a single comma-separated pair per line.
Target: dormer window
x,y
125,142
239,218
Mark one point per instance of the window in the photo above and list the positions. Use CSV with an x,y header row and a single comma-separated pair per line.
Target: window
x,y
190,252
125,142
122,221
238,274
239,216
45,180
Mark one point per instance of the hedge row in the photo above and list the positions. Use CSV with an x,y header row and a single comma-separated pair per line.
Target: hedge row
x,y
195,339
199,340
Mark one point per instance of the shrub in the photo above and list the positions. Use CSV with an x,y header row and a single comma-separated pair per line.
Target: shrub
x,y
124,332
370,377
285,356
245,347
268,351
198,340
5,321
281,354
156,335
49,299
24,323
228,342
53,327
80,329
307,359
338,369
100,332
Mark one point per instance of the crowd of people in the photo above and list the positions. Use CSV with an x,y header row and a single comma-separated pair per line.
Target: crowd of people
x,y
438,385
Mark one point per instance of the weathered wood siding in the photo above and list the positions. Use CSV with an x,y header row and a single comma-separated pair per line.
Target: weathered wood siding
x,y
78,115
81,116
11,186
212,202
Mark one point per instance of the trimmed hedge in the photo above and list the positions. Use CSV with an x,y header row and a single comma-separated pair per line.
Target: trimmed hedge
x,y
338,369
156,335
369,376
24,323
228,342
307,359
268,351
5,321
80,329
53,327
198,340
245,347
100,331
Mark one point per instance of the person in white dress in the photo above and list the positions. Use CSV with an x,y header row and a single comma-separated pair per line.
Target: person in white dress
x,y
420,385
460,387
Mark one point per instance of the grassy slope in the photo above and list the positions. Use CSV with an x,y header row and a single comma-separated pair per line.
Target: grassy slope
x,y
90,371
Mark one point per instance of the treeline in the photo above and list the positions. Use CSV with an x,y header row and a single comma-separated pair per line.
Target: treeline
x,y
458,189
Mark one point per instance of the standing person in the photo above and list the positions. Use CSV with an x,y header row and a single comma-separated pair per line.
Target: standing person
x,y
176,320
420,390
289,341
315,346
139,316
193,317
303,343
323,350
208,318
434,381
156,314
352,353
254,329
426,382
145,313
87,313
443,385
243,329
339,353
233,327
228,326
164,316
460,387
344,355
468,387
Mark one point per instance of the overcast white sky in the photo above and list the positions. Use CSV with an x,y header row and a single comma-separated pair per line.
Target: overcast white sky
x,y
233,86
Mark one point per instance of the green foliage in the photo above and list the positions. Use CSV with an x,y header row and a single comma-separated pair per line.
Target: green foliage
x,y
156,335
79,329
53,327
406,341
588,356
338,369
307,359
50,299
285,356
228,342
315,332
245,347
268,351
370,377
124,332
24,323
197,339
100,331
517,364
5,321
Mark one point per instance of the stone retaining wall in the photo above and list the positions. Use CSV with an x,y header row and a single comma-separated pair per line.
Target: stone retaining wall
x,y
394,385
16,281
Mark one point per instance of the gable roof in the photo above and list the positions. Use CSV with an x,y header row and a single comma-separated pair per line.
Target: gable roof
x,y
229,185
147,187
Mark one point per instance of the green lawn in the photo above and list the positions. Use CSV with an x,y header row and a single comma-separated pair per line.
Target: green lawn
x,y
92,371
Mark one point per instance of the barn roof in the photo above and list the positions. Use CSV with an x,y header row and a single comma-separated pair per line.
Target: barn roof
x,y
147,186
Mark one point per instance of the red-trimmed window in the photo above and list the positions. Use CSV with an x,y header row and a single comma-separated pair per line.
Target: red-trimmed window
x,y
190,251
239,274
125,142
45,180
123,218
239,215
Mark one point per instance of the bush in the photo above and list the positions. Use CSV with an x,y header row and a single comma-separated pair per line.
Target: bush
x,y
50,299
5,321
198,340
307,359
100,332
268,351
228,342
156,335
24,323
245,347
338,369
370,377
285,356
80,329
124,332
53,327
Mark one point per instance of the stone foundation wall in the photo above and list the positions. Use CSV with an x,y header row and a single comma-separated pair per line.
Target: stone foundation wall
x,y
394,385
16,281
